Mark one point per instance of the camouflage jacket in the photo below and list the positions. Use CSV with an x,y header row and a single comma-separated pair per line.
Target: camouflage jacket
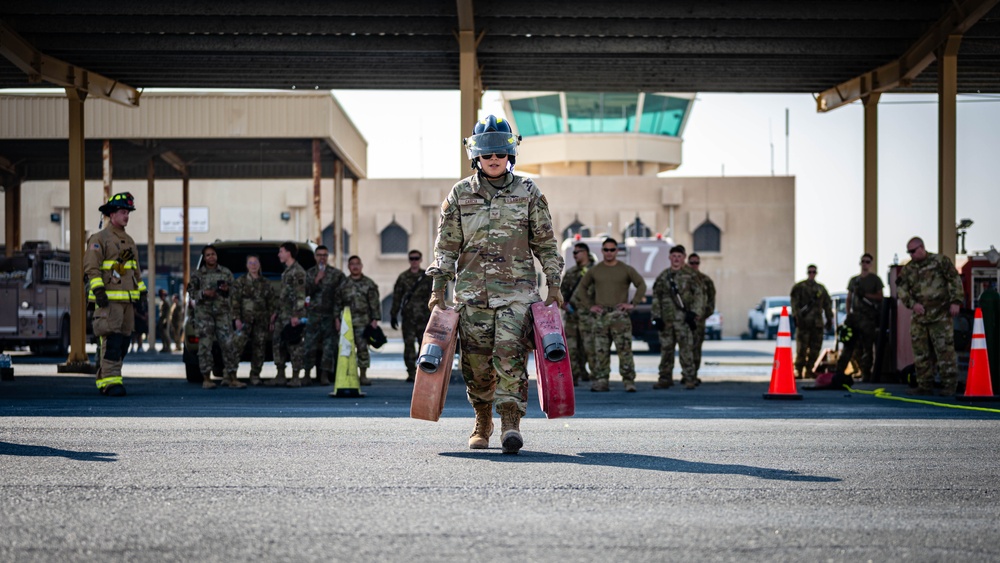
x,y
416,304
164,316
292,299
203,279
934,283
252,299
176,316
111,262
570,280
324,297
692,294
810,301
361,296
709,286
493,242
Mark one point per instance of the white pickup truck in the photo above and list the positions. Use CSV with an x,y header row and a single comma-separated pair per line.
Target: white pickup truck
x,y
763,319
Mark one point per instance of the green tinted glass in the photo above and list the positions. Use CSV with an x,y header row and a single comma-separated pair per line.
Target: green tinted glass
x,y
590,112
537,116
662,115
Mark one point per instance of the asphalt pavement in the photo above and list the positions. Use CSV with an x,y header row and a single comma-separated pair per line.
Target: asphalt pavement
x,y
176,473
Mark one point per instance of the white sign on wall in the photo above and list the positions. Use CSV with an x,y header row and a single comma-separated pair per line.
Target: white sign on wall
x,y
172,220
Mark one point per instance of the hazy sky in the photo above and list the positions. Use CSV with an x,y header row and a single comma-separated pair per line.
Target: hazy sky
x,y
416,134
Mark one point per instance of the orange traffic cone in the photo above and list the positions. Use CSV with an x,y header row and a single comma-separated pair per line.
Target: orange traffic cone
x,y
977,383
782,378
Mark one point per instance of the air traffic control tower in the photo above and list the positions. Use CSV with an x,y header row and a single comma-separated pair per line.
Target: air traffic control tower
x,y
598,133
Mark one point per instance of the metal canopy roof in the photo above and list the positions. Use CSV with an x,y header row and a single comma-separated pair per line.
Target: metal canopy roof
x,y
587,45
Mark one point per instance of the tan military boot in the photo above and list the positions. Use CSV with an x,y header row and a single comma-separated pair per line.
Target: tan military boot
x,y
294,381
510,428
629,385
599,385
324,378
364,377
254,378
206,382
480,438
278,381
233,382
306,380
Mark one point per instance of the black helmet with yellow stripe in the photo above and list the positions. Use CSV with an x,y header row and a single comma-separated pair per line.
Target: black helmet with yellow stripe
x,y
123,200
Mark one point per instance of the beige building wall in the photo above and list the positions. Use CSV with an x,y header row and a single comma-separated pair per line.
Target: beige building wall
x,y
755,214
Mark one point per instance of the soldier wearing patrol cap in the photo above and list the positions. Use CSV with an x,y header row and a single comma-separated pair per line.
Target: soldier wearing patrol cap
x,y
115,286
493,224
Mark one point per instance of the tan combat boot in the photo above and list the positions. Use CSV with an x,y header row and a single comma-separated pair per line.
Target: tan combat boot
x,y
599,385
324,378
363,379
254,378
664,383
294,381
233,382
306,380
206,382
510,428
278,381
480,438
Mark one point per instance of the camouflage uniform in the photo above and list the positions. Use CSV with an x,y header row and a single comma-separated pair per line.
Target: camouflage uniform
x,y
213,321
699,335
494,235
935,284
177,323
865,319
416,289
810,301
361,296
579,325
163,324
252,302
110,261
612,324
673,330
291,303
324,309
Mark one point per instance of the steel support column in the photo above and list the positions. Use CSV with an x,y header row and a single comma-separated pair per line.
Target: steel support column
x,y
186,245
871,175
947,91
106,168
12,215
470,80
354,218
338,214
150,255
77,362
317,174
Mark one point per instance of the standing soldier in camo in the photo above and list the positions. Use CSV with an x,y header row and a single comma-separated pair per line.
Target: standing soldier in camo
x,y
864,313
323,283
213,320
115,285
252,299
360,293
493,225
410,295
163,321
287,322
578,322
930,286
177,321
678,303
709,286
610,280
810,301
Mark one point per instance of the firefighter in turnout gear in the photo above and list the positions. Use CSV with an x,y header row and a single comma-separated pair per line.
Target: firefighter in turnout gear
x,y
114,284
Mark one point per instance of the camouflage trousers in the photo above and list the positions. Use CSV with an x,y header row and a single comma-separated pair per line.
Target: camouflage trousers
x,y
213,328
256,333
613,326
809,341
699,341
163,331
413,333
677,334
321,337
495,353
864,351
360,342
934,341
579,329
285,352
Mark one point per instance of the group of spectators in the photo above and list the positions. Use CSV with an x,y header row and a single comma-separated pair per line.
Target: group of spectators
x,y
169,325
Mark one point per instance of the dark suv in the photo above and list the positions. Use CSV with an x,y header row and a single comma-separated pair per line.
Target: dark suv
x,y
233,255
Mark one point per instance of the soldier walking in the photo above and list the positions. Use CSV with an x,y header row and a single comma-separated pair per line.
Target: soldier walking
x,y
286,322
678,301
930,286
409,296
252,299
699,334
578,322
114,284
323,283
810,301
492,225
360,293
213,321
611,279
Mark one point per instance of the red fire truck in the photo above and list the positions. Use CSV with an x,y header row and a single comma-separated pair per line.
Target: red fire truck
x,y
34,299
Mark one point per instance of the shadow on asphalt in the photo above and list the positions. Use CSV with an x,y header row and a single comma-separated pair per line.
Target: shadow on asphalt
x,y
26,450
639,461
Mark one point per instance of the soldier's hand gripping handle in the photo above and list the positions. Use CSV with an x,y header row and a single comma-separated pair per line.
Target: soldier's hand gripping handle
x,y
554,296
437,300
101,297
